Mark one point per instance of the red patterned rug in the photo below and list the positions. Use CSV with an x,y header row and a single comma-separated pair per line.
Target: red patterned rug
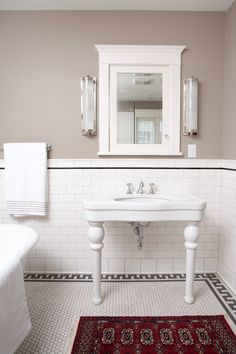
x,y
147,335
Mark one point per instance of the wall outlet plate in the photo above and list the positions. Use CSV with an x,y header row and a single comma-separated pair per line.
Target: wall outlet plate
x,y
192,151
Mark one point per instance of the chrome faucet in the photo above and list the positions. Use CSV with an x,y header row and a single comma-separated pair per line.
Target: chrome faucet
x,y
140,188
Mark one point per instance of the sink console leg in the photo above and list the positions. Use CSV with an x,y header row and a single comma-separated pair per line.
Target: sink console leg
x,y
96,235
191,234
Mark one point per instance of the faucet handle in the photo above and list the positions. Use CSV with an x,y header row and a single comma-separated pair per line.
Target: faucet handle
x,y
129,189
152,188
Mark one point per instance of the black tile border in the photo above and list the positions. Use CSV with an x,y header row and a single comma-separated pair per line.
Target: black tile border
x,y
223,295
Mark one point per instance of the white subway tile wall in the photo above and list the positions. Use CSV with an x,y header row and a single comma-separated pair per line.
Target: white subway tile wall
x,y
227,241
63,245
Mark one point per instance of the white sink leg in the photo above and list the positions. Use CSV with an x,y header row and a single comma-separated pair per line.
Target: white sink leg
x,y
96,235
191,234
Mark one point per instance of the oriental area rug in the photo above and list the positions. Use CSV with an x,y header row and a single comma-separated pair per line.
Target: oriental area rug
x,y
162,335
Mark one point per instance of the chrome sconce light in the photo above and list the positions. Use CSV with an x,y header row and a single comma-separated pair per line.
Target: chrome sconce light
x,y
88,105
190,106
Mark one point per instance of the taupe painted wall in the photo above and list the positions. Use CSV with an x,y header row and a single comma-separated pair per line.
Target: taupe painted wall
x,y
44,55
229,112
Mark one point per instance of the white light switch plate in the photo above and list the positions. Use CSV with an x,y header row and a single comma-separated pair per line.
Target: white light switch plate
x,y
192,151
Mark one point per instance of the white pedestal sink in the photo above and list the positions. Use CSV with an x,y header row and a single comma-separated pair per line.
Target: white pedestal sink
x,y
144,208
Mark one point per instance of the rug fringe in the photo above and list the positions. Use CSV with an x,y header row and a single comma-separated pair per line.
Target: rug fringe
x,y
230,322
71,336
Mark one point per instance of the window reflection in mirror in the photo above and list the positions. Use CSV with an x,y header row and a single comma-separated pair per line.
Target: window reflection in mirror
x,y
139,108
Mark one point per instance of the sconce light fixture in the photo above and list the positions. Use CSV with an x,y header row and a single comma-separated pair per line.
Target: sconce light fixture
x,y
190,106
88,105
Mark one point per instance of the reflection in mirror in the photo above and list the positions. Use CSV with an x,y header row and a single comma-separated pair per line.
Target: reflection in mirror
x,y
139,108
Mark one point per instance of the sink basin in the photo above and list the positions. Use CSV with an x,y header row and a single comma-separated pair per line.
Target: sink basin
x,y
144,199
144,207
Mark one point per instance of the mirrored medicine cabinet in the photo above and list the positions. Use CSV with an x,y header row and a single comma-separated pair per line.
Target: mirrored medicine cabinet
x,y
139,99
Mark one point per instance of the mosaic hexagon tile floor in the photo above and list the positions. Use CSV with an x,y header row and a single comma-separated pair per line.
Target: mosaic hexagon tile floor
x,y
56,302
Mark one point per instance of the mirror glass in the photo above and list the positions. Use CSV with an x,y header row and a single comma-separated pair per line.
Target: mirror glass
x,y
139,107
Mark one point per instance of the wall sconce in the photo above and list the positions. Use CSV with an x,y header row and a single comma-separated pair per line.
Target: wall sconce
x,y
88,105
190,106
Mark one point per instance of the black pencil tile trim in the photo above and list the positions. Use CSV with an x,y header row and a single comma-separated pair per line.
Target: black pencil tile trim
x,y
139,168
135,168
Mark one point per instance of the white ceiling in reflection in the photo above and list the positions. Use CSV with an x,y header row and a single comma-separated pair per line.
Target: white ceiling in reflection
x,y
139,87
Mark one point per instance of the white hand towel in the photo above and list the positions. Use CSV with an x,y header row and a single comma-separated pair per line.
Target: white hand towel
x,y
26,178
14,315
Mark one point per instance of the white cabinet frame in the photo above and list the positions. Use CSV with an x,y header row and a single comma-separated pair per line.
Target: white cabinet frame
x,y
140,55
